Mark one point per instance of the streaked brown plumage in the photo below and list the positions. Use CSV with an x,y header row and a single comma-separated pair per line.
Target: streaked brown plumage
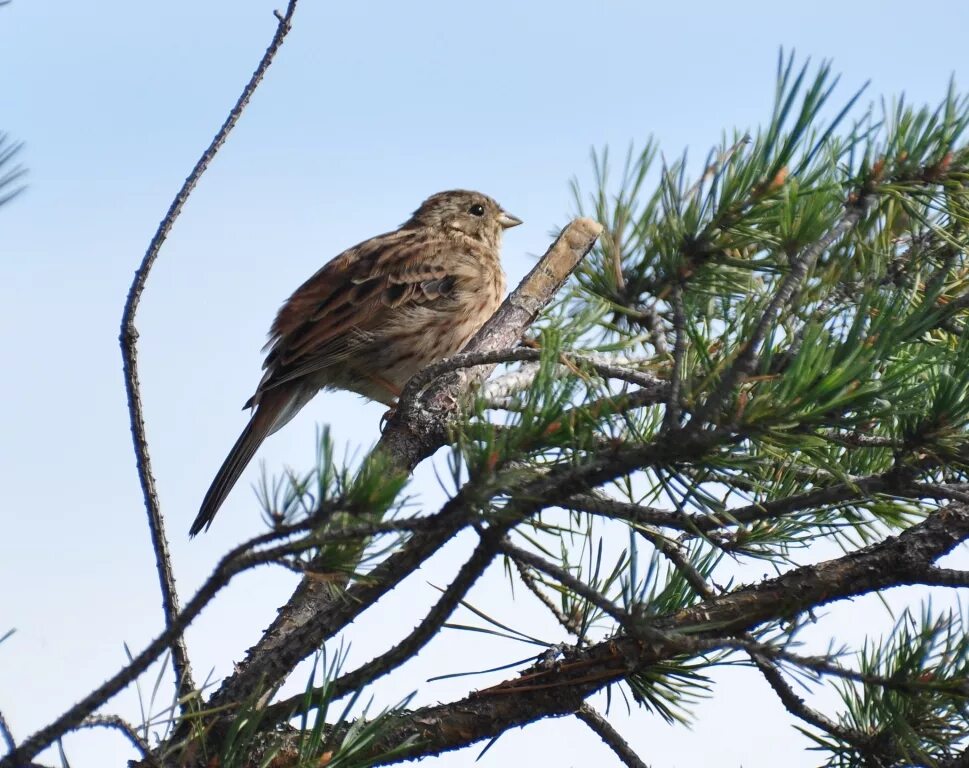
x,y
374,316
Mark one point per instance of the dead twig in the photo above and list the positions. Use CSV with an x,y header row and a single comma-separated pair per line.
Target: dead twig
x,y
129,354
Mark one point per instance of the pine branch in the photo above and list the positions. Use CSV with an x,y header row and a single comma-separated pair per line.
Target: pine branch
x,y
121,725
457,589
797,706
746,361
566,579
896,561
610,736
570,625
129,352
7,734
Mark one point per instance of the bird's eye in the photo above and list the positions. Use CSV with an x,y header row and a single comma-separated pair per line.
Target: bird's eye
x,y
476,210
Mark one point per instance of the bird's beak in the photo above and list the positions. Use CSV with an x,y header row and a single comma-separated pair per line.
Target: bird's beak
x,y
508,221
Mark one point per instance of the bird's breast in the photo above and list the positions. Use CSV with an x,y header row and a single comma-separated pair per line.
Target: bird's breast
x,y
426,334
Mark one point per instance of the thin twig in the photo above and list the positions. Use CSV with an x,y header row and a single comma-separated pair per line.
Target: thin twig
x,y
797,706
672,552
407,648
651,320
533,586
121,725
129,353
610,736
510,383
822,665
604,367
856,489
7,734
561,575
716,167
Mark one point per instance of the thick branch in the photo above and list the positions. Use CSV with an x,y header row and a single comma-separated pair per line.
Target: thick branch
x,y
566,579
542,691
898,560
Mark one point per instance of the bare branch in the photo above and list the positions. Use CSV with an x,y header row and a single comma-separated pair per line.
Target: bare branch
x,y
797,706
242,558
7,734
129,353
601,364
518,380
653,323
671,419
566,579
124,727
674,553
610,736
535,588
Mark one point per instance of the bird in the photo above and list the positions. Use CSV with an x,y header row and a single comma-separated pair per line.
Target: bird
x,y
375,315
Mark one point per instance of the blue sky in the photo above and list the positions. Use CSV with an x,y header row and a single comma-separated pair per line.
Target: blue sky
x,y
370,107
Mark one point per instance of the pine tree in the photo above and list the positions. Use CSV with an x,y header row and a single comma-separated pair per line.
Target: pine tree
x,y
759,358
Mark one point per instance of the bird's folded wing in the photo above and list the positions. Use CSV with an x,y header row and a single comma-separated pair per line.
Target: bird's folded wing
x,y
353,296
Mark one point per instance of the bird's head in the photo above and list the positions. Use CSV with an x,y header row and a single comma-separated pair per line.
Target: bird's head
x,y
470,213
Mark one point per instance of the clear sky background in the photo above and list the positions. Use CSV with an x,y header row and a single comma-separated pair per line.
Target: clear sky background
x,y
369,108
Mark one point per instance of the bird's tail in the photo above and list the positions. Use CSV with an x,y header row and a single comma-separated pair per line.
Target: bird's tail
x,y
276,407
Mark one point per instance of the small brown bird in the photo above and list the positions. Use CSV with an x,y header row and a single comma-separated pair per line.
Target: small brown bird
x,y
374,316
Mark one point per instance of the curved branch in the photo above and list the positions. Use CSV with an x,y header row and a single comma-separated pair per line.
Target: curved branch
x,y
125,728
129,353
610,736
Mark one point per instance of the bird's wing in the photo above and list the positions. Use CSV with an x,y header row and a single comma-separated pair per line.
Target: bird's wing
x,y
340,307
